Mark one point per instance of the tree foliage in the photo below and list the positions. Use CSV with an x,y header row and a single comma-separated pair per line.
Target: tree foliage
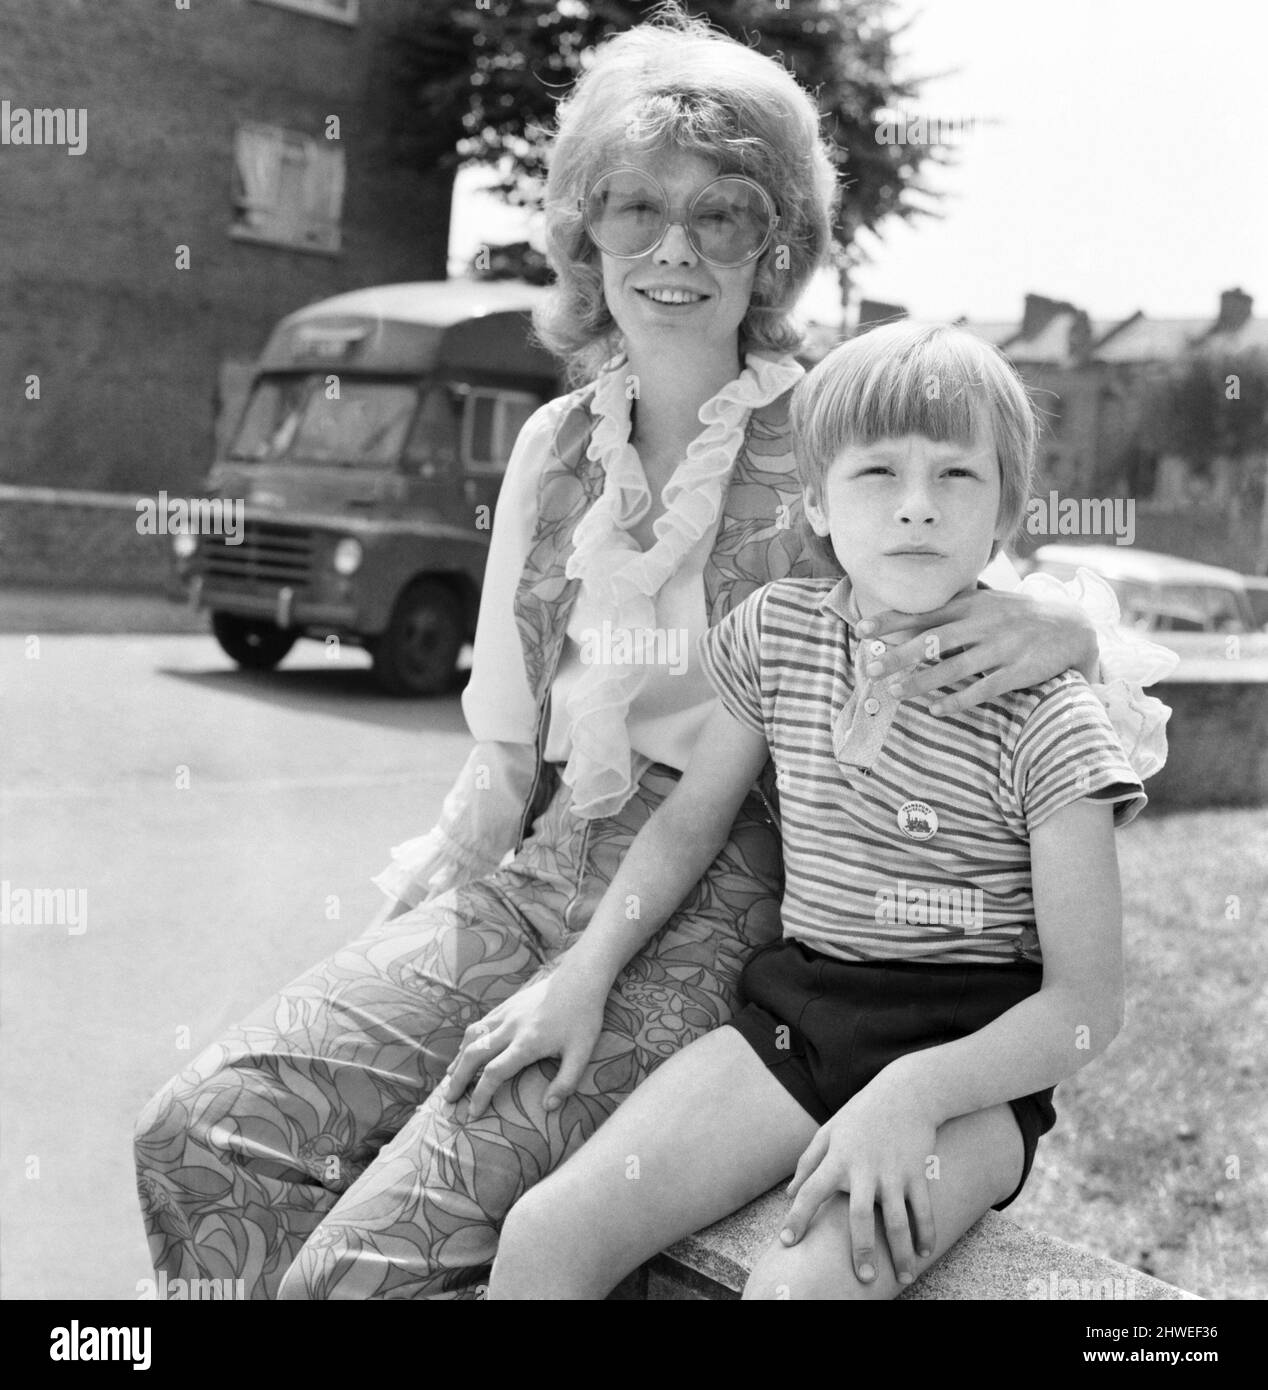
x,y
478,83
1211,410
1212,405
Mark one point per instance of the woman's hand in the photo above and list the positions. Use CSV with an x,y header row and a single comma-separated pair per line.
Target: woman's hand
x,y
1011,640
554,1017
877,1148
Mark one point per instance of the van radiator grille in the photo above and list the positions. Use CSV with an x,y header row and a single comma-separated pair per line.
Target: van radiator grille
x,y
269,556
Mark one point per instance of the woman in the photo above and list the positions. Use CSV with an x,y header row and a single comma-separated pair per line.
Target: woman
x,y
310,1152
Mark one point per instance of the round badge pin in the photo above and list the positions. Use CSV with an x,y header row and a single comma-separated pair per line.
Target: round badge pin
x,y
917,820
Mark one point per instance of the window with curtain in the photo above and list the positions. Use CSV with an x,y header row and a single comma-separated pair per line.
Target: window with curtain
x,y
287,189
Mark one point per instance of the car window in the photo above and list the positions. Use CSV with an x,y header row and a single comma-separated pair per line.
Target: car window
x,y
432,446
1219,607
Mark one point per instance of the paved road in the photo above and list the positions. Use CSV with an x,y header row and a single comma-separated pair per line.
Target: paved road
x,y
200,898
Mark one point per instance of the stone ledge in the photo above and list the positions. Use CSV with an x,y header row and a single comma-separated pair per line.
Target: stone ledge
x,y
995,1259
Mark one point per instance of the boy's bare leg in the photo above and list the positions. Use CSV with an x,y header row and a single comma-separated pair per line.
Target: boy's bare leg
x,y
709,1130
979,1164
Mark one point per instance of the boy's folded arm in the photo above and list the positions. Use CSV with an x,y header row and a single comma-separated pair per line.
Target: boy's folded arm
x,y
671,852
1079,1008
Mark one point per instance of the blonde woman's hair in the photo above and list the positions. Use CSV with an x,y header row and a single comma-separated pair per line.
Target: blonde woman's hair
x,y
674,85
908,378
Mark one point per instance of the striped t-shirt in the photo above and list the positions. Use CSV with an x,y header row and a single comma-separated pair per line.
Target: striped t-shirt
x,y
906,835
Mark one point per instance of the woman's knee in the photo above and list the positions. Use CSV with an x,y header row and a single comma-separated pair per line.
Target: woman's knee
x,y
166,1120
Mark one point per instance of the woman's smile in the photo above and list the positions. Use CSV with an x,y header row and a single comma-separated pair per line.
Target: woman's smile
x,y
671,297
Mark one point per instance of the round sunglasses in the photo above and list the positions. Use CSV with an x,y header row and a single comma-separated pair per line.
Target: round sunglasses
x,y
728,223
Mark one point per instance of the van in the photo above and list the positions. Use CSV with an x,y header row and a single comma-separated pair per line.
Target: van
x,y
367,460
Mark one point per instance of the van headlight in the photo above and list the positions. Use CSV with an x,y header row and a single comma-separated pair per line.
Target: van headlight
x,y
184,545
347,556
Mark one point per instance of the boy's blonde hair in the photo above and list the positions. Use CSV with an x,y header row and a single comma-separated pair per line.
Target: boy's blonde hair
x,y
907,378
676,85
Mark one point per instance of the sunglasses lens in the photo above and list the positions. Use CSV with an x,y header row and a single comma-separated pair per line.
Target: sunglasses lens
x,y
731,221
626,213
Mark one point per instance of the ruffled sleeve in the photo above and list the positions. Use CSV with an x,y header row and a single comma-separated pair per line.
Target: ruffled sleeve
x,y
478,825
1128,662
480,818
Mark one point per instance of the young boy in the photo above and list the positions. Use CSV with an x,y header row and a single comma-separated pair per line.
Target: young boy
x,y
951,916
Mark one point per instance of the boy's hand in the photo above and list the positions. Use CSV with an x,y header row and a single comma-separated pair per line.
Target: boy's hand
x,y
1012,640
548,1018
876,1148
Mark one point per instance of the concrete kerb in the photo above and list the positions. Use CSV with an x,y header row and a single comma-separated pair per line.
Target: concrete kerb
x,y
995,1259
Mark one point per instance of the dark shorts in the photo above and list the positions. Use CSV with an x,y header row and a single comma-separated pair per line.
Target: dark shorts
x,y
826,1027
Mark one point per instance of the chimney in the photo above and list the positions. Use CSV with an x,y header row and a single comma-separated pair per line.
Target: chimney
x,y
1235,307
1039,313
1080,338
874,311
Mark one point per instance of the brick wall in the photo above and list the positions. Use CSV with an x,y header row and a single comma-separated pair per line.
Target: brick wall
x,y
127,347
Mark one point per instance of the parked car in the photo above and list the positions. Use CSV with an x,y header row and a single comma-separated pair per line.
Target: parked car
x,y
1257,593
368,457
1158,593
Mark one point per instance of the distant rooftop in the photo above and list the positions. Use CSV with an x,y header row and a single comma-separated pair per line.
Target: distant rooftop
x,y
1055,332
1140,339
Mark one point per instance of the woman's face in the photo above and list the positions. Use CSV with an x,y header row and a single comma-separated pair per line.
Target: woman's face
x,y
717,298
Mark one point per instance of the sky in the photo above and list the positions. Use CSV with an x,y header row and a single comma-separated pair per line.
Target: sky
x,y
1113,154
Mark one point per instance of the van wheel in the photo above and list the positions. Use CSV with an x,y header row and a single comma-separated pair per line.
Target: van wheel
x,y
254,643
418,654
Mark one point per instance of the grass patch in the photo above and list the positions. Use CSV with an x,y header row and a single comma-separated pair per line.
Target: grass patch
x,y
1158,1155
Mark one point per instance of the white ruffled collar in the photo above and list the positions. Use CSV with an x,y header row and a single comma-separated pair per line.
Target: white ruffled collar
x,y
619,582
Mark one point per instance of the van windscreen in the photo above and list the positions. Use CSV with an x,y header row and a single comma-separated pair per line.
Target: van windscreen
x,y
301,419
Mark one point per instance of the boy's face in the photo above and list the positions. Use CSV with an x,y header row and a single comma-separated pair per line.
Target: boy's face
x,y
912,521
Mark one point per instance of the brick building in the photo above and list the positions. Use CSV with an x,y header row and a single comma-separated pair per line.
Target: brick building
x,y
207,127
1095,382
